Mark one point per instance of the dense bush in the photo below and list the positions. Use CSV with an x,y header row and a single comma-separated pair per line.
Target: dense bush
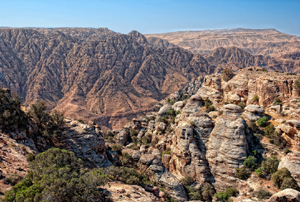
x,y
277,101
262,194
255,98
269,165
207,191
57,175
297,84
224,196
116,148
262,121
269,130
11,115
250,162
187,181
227,74
253,127
242,105
126,175
242,173
12,179
49,125
210,108
283,179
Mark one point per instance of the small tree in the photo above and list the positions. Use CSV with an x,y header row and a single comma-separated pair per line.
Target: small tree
x,y
297,84
262,121
250,162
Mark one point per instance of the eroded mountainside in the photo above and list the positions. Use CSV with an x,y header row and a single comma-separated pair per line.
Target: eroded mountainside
x,y
88,75
267,42
107,77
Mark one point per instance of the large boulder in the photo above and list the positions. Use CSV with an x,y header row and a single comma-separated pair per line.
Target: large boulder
x,y
232,110
164,109
287,195
253,112
122,137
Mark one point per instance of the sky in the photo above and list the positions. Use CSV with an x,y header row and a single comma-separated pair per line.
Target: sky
x,y
153,16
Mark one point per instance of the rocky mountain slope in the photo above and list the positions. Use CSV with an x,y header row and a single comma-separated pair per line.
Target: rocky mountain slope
x,y
107,77
225,141
93,75
267,42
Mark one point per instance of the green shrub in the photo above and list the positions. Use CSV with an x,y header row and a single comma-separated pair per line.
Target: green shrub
x,y
269,130
12,179
81,121
207,103
277,140
166,152
109,136
277,101
224,196
193,193
297,84
283,179
210,108
286,151
250,162
262,194
253,127
187,181
227,74
117,148
255,98
171,101
192,123
30,157
269,165
207,191
258,172
242,105
11,115
262,121
242,173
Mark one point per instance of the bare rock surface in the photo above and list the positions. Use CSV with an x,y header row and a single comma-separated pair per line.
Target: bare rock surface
x,y
287,195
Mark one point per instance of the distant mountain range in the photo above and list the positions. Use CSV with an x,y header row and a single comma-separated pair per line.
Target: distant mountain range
x,y
267,42
108,77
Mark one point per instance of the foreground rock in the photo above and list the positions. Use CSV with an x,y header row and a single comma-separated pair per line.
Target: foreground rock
x,y
287,195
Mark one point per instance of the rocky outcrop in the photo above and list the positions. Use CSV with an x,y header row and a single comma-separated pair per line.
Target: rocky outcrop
x,y
287,195
253,112
290,131
86,143
292,163
227,147
155,169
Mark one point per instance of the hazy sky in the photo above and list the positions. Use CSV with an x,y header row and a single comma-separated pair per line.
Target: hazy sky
x,y
153,16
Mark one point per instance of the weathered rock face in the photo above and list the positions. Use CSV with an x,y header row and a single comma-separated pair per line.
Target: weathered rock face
x,y
122,137
245,84
227,149
187,159
292,163
287,195
290,131
150,164
86,143
253,112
